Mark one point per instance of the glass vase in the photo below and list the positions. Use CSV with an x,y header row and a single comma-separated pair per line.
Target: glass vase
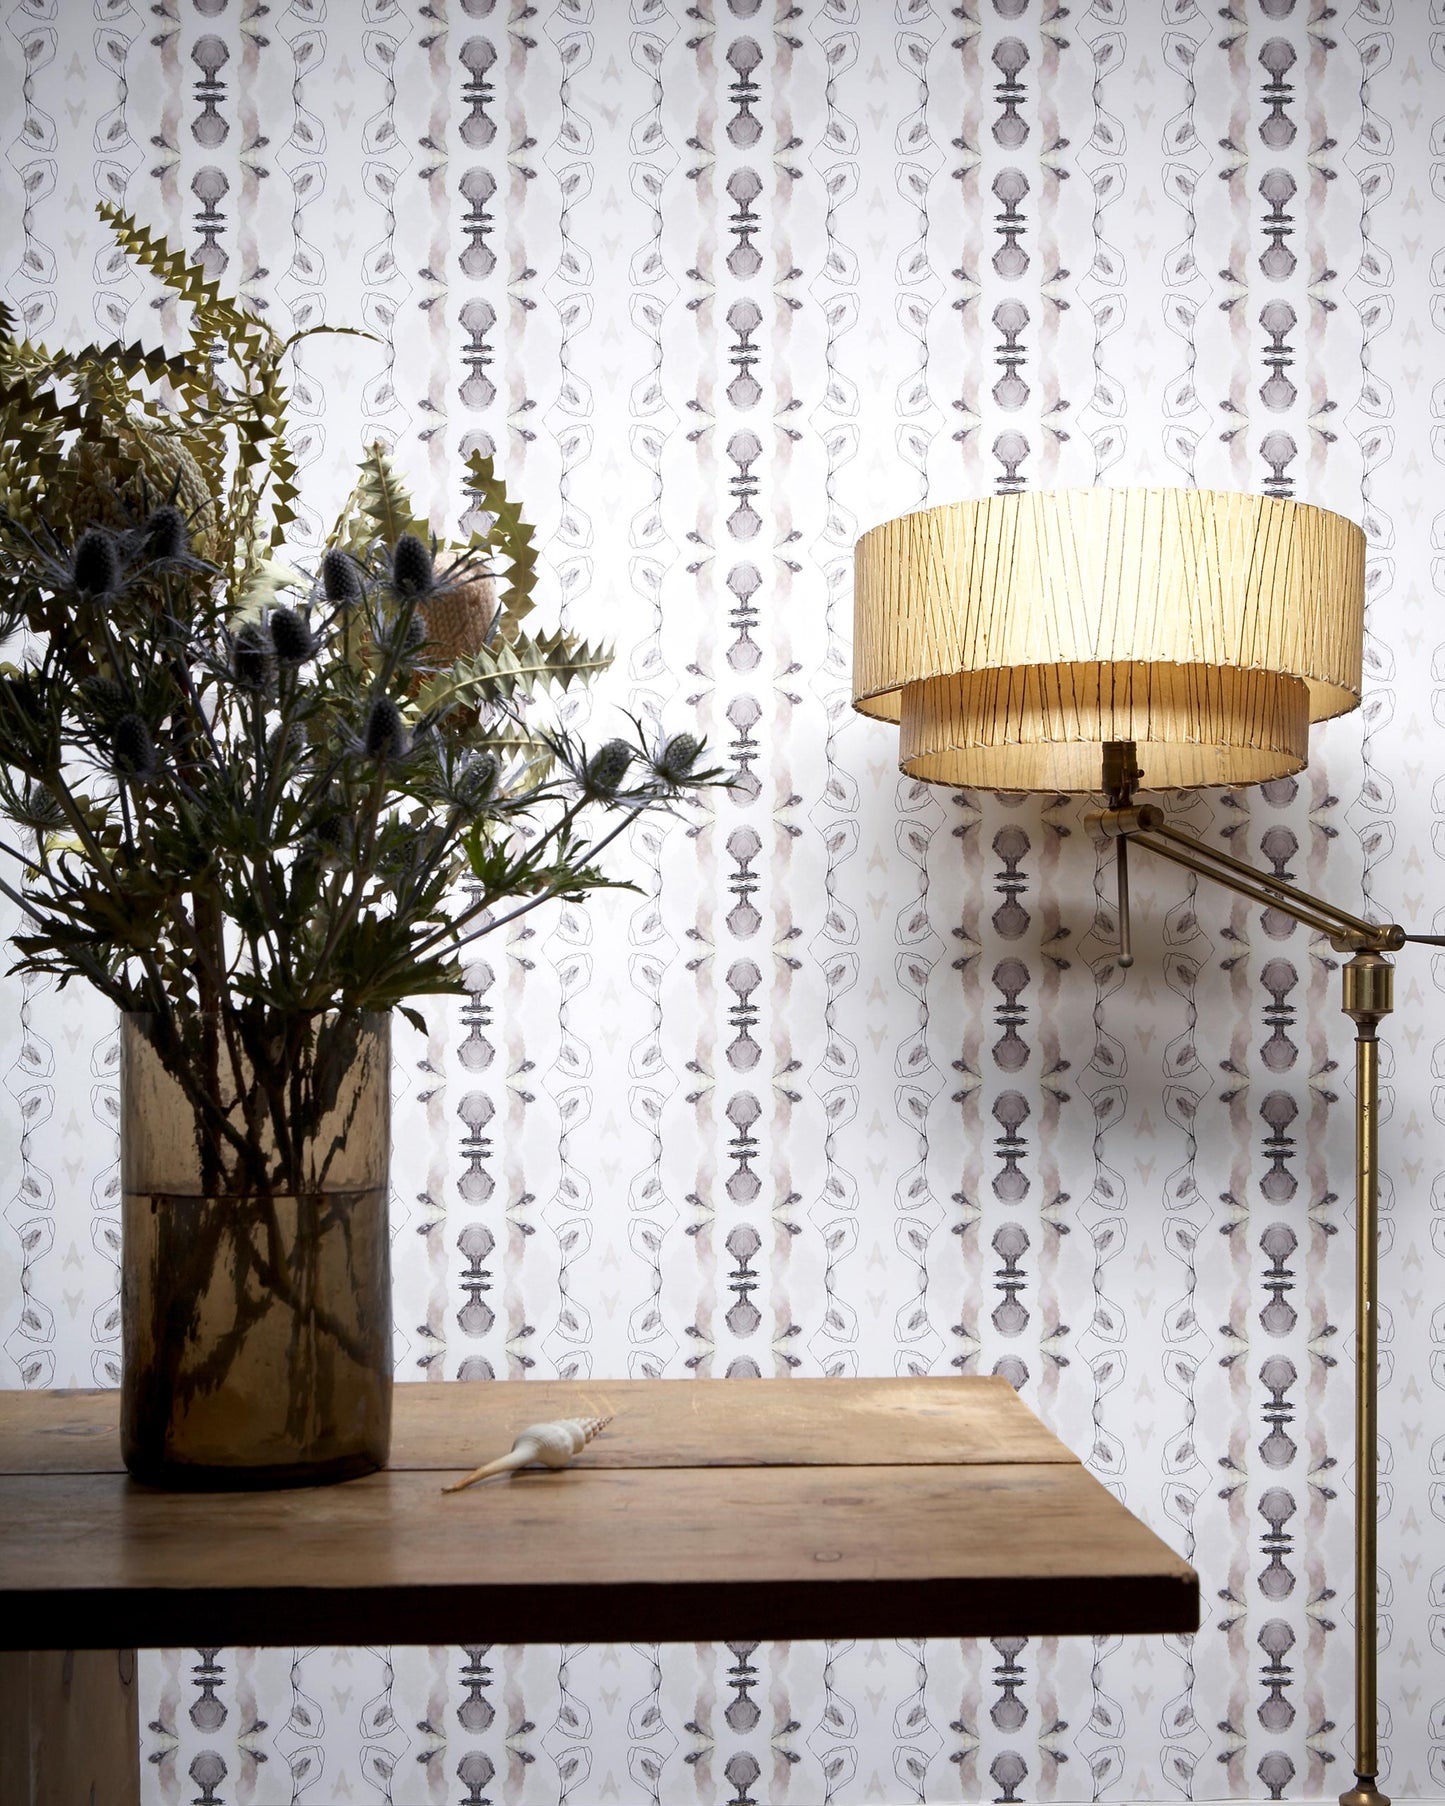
x,y
256,1271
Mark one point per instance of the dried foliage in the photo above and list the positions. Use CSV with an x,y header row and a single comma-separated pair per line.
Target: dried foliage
x,y
246,790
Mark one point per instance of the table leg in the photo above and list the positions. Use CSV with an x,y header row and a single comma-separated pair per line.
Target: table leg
x,y
69,1734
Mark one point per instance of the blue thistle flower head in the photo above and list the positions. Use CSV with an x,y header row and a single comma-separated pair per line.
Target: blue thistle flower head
x,y
477,780
331,832
340,579
291,637
411,640
607,768
41,812
132,750
165,534
95,565
106,697
330,840
385,737
677,757
411,567
251,658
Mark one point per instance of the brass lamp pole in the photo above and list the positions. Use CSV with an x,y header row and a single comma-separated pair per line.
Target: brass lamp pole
x,y
1043,640
1368,987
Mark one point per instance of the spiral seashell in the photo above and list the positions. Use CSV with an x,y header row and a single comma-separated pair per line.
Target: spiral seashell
x,y
540,1444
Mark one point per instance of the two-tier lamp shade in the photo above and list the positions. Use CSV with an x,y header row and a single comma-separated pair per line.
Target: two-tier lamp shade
x,y
1012,638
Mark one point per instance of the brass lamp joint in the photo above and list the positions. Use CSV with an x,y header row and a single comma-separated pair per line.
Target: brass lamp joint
x,y
1368,982
1122,776
1388,937
1138,818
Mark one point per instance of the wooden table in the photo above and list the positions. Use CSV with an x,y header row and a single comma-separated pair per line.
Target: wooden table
x,y
749,1509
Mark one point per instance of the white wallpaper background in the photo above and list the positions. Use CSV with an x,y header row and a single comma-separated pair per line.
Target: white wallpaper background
x,y
855,1087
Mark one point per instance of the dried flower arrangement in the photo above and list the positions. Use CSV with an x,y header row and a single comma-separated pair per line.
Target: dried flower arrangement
x,y
250,796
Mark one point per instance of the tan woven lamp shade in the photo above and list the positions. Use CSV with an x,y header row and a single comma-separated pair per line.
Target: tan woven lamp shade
x,y
1011,638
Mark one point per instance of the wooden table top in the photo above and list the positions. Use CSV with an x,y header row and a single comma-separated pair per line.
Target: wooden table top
x,y
707,1509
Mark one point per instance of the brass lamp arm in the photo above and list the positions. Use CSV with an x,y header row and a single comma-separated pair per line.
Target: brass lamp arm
x,y
1144,825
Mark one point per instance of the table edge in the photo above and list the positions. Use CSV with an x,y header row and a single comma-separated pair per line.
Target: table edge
x,y
635,1611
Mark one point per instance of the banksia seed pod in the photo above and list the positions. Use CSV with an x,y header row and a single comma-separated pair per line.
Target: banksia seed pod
x,y
340,579
459,618
677,757
166,534
411,567
608,767
251,658
132,751
385,736
90,487
291,637
95,568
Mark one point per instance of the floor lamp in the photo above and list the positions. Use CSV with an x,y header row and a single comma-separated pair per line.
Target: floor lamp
x,y
1094,640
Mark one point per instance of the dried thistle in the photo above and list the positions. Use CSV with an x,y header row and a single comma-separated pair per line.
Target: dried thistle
x,y
212,834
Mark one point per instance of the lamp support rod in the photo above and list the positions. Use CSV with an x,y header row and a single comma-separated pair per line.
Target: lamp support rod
x,y
1368,982
1145,825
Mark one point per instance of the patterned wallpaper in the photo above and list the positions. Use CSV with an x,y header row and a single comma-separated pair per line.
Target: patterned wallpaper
x,y
855,1085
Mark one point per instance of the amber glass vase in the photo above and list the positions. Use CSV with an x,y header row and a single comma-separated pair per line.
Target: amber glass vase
x,y
256,1273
